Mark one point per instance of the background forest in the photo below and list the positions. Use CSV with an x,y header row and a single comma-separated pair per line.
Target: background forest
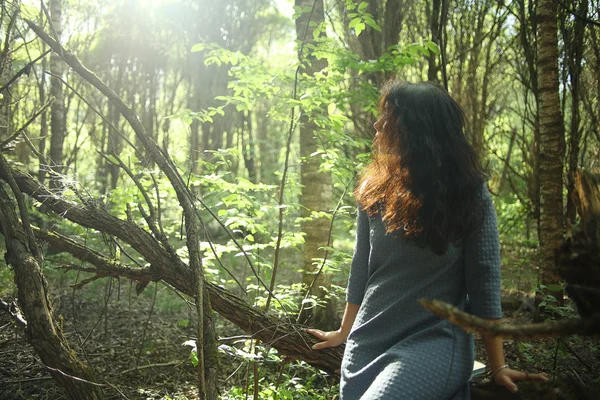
x,y
181,172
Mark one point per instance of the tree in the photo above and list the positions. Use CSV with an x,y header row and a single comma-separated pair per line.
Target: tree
x,y
316,197
58,129
573,33
552,137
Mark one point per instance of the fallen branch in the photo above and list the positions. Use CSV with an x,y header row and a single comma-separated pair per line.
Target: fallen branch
x,y
585,326
286,338
167,364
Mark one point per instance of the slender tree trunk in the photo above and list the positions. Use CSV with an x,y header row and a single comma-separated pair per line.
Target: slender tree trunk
x,y
552,138
316,190
434,25
58,128
574,57
113,140
43,123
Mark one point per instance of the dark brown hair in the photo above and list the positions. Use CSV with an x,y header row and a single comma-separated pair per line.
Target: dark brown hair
x,y
425,176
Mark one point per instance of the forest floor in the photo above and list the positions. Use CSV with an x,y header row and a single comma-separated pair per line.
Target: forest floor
x,y
135,346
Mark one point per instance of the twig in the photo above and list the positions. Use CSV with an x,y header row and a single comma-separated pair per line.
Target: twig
x,y
84,282
137,359
24,70
167,364
87,103
38,378
75,378
117,390
15,135
329,236
102,313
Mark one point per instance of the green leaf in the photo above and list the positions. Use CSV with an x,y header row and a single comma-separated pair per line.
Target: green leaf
x,y
354,23
194,358
363,5
198,47
331,108
432,46
183,323
371,22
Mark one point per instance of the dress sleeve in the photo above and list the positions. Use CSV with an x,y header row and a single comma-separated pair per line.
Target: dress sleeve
x,y
359,268
482,263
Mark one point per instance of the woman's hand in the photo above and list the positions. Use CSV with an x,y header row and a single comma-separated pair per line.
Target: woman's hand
x,y
329,339
508,377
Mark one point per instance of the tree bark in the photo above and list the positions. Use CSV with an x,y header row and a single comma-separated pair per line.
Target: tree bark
x,y
552,139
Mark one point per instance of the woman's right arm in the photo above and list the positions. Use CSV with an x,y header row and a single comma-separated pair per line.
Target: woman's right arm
x,y
335,338
356,287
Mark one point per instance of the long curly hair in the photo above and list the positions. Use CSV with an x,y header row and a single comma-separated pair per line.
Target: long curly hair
x,y
425,176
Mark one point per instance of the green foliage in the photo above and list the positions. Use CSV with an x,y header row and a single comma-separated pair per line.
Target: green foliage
x,y
551,307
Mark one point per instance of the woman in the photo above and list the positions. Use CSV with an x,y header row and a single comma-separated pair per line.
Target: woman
x,y
426,229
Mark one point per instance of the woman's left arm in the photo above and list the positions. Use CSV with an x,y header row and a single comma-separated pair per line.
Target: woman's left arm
x,y
501,374
482,280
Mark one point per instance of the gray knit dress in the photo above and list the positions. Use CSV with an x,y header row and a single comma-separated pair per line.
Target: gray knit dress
x,y
397,349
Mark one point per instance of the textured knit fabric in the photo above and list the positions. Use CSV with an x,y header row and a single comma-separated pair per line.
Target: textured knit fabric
x,y
397,349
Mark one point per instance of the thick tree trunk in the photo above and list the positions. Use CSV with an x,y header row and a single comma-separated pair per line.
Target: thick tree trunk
x,y
552,138
316,193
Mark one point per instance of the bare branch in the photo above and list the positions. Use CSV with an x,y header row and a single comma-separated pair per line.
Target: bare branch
x,y
15,135
587,326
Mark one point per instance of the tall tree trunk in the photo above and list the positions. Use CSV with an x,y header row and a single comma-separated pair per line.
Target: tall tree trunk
x,y
552,137
316,190
58,128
